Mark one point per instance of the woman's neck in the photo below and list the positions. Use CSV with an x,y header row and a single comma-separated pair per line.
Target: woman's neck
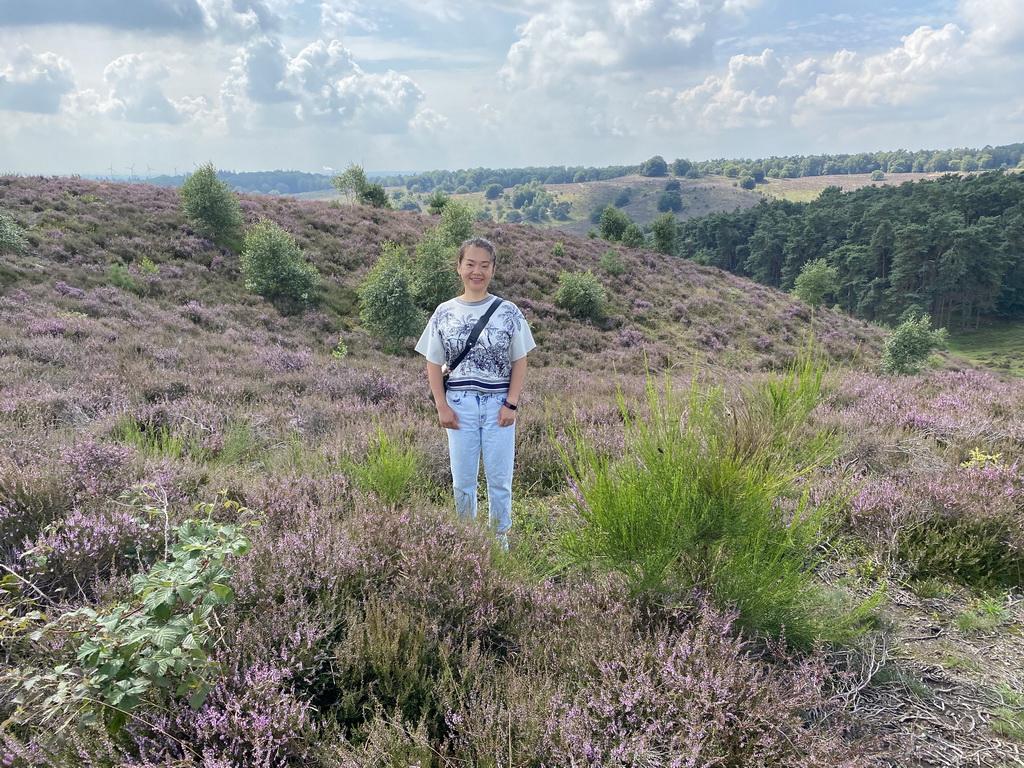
x,y
471,297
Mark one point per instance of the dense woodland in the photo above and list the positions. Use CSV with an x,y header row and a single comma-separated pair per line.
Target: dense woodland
x,y
951,247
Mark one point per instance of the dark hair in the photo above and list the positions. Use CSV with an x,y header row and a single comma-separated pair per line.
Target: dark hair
x,y
478,242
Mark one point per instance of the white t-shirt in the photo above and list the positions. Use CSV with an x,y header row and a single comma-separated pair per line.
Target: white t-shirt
x,y
488,366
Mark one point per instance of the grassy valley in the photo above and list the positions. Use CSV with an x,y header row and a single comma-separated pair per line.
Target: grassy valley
x,y
734,539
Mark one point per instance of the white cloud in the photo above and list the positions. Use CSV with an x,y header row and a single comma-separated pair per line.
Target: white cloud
x,y
136,94
752,93
323,82
573,39
930,72
340,16
899,77
33,83
995,24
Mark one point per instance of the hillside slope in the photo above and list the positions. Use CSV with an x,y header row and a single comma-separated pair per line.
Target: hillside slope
x,y
131,352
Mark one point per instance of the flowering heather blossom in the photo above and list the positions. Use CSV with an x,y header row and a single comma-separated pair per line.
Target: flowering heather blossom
x,y
99,470
84,547
692,698
63,289
280,360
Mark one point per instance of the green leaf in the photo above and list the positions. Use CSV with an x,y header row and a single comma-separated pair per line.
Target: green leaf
x,y
199,696
168,636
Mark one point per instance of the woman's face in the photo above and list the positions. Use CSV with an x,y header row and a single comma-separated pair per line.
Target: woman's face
x,y
476,270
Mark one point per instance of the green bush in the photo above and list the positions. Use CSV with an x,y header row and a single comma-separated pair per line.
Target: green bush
x,y
707,496
909,345
120,277
275,267
387,308
817,279
612,263
389,470
12,239
432,275
663,229
581,294
436,203
211,207
978,552
633,236
613,223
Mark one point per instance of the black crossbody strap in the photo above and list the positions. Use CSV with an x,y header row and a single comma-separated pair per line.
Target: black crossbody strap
x,y
475,333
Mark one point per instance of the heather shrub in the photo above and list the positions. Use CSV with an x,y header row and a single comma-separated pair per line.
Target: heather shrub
x,y
12,239
707,495
30,498
73,553
386,303
98,470
980,551
211,207
581,294
691,697
275,267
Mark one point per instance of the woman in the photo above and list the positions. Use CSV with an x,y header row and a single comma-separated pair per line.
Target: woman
x,y
480,404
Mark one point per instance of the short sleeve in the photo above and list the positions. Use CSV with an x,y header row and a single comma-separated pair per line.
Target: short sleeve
x,y
522,337
430,344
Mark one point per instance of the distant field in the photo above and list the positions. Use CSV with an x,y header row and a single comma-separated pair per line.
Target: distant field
x,y
1000,347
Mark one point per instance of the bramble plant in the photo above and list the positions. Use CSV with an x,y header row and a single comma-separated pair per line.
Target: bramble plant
x,y
157,644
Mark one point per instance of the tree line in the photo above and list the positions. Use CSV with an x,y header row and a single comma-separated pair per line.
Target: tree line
x,y
951,248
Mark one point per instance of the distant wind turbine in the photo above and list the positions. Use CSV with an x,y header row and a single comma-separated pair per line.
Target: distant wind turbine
x,y
149,172
111,169
131,168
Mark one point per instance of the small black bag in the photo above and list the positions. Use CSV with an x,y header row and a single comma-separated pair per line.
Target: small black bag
x,y
447,368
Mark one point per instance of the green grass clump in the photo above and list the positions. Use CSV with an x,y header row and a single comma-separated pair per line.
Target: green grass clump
x,y
707,495
1009,715
983,616
389,469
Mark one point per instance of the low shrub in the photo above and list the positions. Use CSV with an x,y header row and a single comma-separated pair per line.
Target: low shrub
x,y
707,495
581,294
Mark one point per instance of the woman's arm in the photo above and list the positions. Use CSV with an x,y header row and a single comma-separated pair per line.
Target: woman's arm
x,y
445,413
506,416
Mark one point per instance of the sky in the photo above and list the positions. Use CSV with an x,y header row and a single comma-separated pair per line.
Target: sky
x,y
148,87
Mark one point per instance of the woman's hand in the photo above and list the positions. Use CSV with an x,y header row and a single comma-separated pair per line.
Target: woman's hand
x,y
506,417
447,416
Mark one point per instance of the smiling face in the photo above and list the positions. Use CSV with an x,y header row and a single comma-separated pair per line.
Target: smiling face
x,y
476,268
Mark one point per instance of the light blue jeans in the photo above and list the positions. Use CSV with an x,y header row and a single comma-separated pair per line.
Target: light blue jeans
x,y
479,435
